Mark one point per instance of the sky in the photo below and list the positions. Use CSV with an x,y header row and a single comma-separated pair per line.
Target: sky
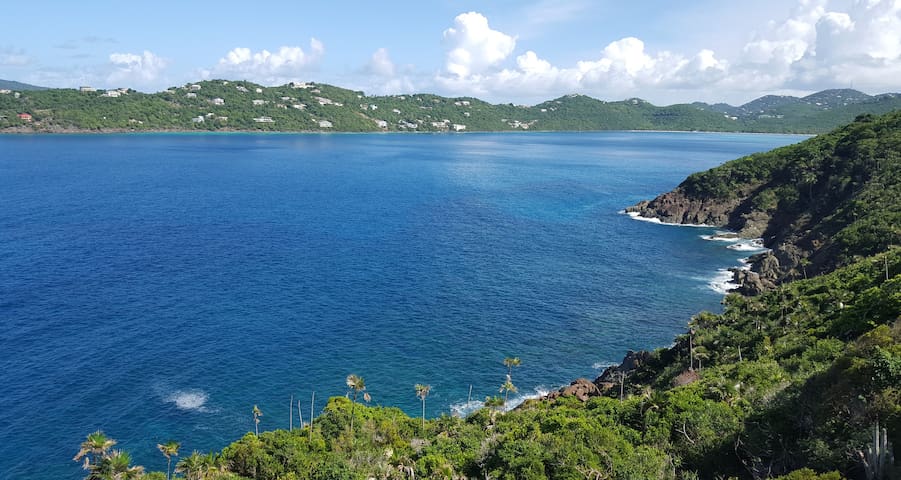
x,y
502,51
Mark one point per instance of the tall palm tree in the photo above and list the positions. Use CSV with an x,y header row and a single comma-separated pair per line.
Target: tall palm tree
x,y
193,466
511,362
169,450
422,391
257,413
94,448
356,385
506,388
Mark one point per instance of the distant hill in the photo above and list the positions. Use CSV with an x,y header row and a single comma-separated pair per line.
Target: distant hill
x,y
222,105
18,86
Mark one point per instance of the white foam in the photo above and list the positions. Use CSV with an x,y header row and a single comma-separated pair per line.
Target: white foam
x,y
603,365
516,401
720,236
722,282
752,245
463,409
637,216
189,400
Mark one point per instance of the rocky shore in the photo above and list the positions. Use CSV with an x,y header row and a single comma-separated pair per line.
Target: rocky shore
x,y
783,262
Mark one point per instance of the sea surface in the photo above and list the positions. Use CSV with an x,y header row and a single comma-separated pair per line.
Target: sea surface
x,y
158,286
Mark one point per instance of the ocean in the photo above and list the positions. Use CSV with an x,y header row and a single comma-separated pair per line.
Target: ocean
x,y
158,286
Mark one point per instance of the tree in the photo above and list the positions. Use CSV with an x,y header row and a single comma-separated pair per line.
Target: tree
x,y
257,413
506,388
116,466
511,362
422,391
193,466
356,385
95,447
169,450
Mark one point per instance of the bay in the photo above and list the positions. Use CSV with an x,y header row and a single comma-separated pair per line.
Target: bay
x,y
158,286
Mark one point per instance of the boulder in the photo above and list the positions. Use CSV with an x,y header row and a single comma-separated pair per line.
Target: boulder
x,y
582,389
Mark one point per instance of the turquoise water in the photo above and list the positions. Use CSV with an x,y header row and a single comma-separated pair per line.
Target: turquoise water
x,y
158,286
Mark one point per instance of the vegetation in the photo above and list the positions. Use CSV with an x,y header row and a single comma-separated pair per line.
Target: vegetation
x,y
832,199
221,105
802,382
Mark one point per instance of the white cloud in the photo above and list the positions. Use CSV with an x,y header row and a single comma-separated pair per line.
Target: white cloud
x,y
474,46
820,44
381,76
286,64
380,64
130,69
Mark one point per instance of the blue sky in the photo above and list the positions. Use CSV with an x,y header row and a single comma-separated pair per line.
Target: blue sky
x,y
523,51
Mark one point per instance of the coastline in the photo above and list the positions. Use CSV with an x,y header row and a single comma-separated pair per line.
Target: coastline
x,y
23,130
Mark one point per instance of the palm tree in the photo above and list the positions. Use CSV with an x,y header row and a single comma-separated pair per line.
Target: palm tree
x,y
192,466
511,362
116,466
212,465
422,391
356,385
257,413
506,388
169,450
95,447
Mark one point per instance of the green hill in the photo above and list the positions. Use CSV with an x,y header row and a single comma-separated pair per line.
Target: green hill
x,y
18,86
819,204
800,382
221,105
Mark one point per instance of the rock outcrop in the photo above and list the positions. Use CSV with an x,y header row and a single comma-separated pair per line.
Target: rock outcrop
x,y
677,207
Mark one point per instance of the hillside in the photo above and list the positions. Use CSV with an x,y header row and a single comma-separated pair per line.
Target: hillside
x,y
800,382
819,204
18,86
222,105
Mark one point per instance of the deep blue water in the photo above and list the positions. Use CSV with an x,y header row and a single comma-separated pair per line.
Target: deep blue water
x,y
158,286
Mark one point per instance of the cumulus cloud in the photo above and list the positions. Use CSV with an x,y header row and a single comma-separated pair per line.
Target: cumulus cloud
x,y
623,67
131,69
286,64
826,44
474,46
820,44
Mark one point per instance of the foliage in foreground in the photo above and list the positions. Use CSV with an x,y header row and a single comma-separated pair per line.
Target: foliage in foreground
x,y
820,362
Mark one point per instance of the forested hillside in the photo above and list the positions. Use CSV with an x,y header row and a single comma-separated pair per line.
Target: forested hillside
x,y
819,204
221,105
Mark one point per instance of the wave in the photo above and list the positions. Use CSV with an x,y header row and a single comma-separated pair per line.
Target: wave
x,y
753,245
464,408
637,216
603,365
721,236
723,281
189,400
